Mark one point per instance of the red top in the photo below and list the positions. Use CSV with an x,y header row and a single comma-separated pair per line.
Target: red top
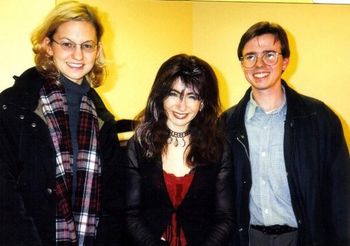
x,y
177,188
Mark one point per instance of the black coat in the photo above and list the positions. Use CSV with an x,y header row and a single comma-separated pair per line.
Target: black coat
x,y
27,169
317,164
205,214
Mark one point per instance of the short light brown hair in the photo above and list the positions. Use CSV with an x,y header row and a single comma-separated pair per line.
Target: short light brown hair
x,y
62,13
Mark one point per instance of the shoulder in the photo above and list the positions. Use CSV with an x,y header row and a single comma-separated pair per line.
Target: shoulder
x,y
26,87
102,112
137,155
236,112
228,113
301,105
133,146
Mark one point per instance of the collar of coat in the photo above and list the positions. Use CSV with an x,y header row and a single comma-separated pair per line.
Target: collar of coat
x,y
298,106
25,93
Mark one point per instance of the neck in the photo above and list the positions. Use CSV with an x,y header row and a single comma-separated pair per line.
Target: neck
x,y
269,100
178,138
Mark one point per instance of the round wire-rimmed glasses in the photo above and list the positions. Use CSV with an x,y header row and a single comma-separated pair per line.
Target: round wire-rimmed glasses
x,y
269,58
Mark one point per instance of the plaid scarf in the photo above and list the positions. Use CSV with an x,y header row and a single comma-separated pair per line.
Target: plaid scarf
x,y
75,223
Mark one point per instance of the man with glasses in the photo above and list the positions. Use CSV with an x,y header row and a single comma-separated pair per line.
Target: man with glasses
x,y
292,167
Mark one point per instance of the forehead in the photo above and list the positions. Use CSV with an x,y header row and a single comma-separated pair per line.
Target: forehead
x,y
262,43
178,84
76,31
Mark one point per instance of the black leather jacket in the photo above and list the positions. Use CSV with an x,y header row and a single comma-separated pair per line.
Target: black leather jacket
x,y
317,164
205,214
27,169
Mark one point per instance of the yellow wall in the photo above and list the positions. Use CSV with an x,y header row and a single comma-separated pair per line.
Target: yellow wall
x,y
266,1
18,18
320,48
141,34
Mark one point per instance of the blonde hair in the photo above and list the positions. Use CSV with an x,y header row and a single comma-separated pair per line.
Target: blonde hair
x,y
64,12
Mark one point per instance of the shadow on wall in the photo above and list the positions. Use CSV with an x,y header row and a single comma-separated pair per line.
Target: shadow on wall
x,y
346,130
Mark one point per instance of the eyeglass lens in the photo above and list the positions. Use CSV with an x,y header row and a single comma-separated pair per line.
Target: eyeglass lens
x,y
269,58
87,46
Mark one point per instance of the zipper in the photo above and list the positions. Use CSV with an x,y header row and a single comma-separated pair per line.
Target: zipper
x,y
243,145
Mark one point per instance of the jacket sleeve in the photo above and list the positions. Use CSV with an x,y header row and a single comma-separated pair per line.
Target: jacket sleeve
x,y
138,232
338,171
16,225
110,228
223,227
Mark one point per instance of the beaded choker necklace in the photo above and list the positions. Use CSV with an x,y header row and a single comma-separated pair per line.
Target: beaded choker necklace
x,y
177,136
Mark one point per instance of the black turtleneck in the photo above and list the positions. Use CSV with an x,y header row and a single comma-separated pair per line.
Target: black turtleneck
x,y
74,93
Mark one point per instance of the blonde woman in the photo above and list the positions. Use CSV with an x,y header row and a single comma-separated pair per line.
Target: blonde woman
x,y
58,149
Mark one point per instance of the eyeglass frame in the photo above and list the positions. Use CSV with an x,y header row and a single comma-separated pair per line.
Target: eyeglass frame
x,y
261,56
71,49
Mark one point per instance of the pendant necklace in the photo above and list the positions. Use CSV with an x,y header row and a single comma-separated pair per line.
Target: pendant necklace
x,y
177,136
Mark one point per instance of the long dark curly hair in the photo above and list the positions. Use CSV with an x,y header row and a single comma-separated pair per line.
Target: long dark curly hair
x,y
205,140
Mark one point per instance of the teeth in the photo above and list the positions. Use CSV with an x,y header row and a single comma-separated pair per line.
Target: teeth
x,y
260,75
75,65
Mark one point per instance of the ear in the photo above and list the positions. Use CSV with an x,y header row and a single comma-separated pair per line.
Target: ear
x,y
285,63
201,106
99,49
46,44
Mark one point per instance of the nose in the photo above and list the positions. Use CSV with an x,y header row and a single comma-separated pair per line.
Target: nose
x,y
78,53
182,104
259,61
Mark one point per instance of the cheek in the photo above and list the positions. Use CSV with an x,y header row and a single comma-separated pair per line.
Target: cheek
x,y
248,75
246,72
166,107
195,109
58,56
91,59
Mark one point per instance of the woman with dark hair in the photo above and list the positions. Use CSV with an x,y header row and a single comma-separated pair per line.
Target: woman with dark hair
x,y
179,174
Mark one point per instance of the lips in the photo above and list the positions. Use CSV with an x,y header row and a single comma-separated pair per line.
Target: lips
x,y
75,65
260,75
180,116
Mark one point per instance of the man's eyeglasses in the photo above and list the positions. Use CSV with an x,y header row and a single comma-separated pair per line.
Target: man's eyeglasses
x,y
69,46
269,58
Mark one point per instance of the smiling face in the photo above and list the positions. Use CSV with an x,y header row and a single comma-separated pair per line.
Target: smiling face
x,y
73,64
181,106
264,77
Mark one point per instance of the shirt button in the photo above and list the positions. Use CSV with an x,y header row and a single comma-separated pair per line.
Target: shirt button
x,y
21,116
33,124
263,154
4,106
266,211
49,191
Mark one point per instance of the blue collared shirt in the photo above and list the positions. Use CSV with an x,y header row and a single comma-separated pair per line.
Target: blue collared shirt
x,y
270,201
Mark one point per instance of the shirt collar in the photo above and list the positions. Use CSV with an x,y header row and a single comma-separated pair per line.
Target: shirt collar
x,y
252,106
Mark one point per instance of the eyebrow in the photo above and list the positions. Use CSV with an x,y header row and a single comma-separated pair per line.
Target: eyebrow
x,y
182,93
254,53
90,40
